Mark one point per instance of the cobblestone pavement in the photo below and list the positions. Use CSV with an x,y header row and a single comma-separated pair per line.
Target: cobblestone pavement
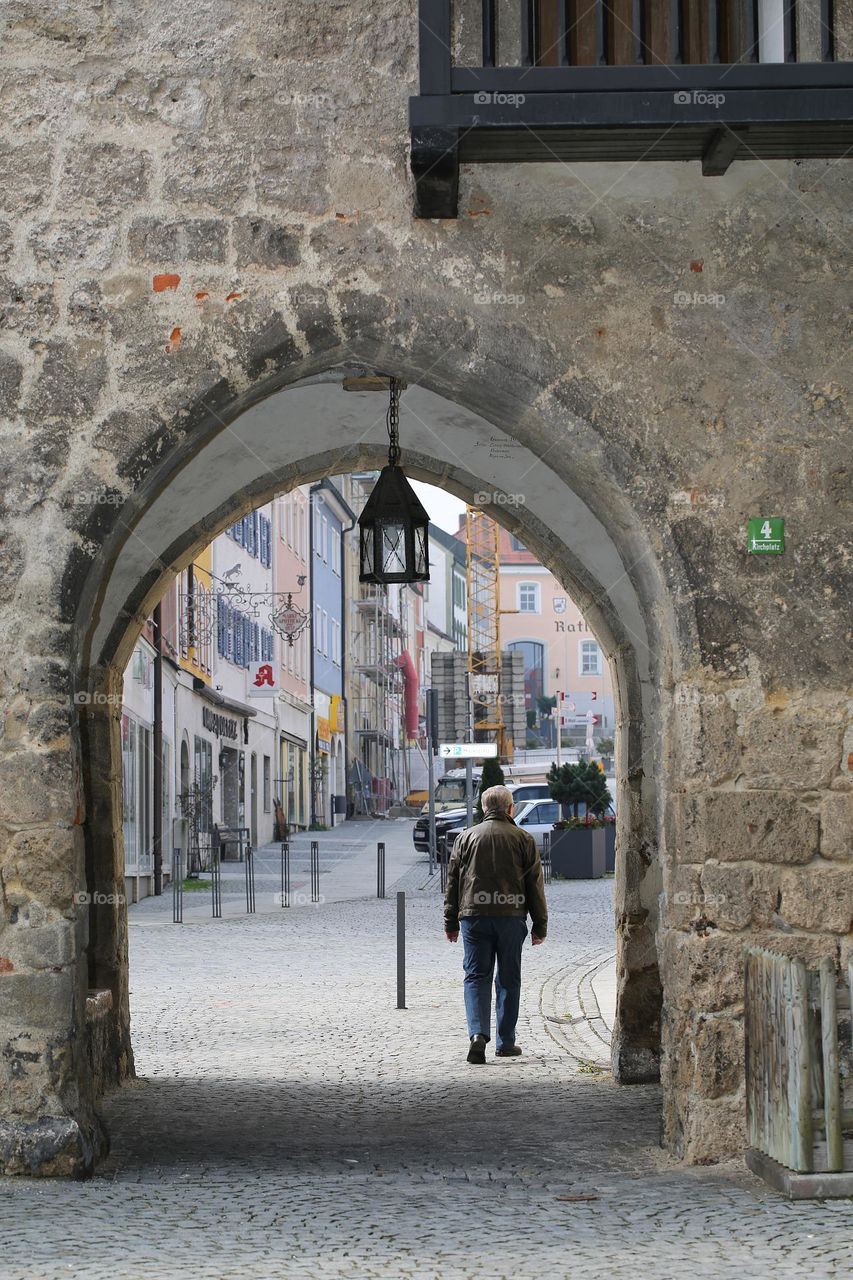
x,y
289,1121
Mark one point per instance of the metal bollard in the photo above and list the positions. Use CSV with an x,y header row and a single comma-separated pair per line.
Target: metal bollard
x,y
401,949
216,881
177,887
285,873
315,871
250,879
546,856
380,870
443,864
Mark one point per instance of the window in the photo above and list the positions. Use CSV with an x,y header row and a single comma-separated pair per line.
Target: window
x,y
289,521
335,550
316,530
589,658
528,597
324,633
267,785
203,780
136,794
282,516
324,539
264,541
516,543
534,671
318,617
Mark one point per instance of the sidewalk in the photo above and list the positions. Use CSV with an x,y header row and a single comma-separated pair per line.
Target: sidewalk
x,y
348,855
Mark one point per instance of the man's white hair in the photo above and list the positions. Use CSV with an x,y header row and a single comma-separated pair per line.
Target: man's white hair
x,y
497,800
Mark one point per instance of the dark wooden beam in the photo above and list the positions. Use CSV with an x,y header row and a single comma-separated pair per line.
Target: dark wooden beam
x,y
435,169
720,151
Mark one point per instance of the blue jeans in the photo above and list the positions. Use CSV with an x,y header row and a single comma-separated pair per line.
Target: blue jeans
x,y
488,939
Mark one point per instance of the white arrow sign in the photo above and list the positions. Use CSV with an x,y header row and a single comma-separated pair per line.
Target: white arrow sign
x,y
467,750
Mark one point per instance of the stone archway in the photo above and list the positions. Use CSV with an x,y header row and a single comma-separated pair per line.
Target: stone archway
x,y
182,504
596,540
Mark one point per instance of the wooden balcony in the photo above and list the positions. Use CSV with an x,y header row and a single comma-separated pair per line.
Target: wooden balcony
x,y
712,81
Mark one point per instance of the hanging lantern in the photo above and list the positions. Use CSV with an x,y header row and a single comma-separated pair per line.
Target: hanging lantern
x,y
394,525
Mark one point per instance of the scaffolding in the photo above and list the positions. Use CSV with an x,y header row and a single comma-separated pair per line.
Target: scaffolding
x,y
484,630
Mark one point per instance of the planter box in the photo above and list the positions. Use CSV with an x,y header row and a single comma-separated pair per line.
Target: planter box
x,y
610,847
579,854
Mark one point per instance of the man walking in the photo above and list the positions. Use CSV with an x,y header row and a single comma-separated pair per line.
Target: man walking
x,y
494,879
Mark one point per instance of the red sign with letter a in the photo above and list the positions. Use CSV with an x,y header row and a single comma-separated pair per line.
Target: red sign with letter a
x,y
263,680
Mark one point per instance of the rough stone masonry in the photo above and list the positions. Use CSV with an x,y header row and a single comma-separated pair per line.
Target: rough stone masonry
x,y
202,203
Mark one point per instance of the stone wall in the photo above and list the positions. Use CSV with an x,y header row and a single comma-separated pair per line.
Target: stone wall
x,y
203,202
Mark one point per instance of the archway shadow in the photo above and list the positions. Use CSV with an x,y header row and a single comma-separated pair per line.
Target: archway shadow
x,y
492,1122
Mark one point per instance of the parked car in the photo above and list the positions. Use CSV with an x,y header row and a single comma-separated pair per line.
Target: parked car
x,y
457,819
537,817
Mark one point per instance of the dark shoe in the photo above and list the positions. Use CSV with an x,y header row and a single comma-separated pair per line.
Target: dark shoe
x,y
477,1050
513,1052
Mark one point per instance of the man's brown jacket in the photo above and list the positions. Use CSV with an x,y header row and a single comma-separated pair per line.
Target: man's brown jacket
x,y
495,871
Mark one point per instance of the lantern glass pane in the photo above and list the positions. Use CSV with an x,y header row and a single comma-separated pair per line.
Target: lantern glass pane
x,y
421,566
393,548
367,550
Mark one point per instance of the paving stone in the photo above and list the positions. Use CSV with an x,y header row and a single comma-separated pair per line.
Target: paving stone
x,y
290,1121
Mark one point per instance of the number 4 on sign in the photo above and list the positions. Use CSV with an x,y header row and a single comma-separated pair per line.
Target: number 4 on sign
x,y
766,535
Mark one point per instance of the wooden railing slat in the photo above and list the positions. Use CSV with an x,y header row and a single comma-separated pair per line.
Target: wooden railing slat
x,y
831,1068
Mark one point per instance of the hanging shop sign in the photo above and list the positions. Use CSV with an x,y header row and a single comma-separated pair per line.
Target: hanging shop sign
x,y
263,680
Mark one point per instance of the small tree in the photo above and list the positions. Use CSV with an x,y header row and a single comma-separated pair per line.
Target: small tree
x,y
573,785
492,776
592,788
561,785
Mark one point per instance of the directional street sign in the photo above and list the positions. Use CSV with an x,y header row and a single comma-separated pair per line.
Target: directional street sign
x,y
766,536
467,750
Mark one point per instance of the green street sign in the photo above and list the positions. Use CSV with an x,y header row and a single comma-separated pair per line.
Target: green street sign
x,y
766,536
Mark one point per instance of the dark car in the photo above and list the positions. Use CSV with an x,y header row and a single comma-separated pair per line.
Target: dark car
x,y
420,834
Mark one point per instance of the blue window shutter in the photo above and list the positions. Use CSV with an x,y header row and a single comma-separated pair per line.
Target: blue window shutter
x,y
238,638
229,633
256,645
220,626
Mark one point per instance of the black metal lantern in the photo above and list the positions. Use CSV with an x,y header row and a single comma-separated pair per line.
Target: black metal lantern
x,y
394,525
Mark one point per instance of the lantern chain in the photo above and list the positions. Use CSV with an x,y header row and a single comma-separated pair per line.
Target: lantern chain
x,y
393,423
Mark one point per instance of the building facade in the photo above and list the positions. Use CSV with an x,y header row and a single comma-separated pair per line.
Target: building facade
x,y
330,516
292,562
540,619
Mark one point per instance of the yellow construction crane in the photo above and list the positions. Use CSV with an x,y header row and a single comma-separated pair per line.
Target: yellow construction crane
x,y
484,630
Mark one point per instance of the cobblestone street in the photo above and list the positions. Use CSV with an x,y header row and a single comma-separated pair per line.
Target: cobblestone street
x,y
289,1121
